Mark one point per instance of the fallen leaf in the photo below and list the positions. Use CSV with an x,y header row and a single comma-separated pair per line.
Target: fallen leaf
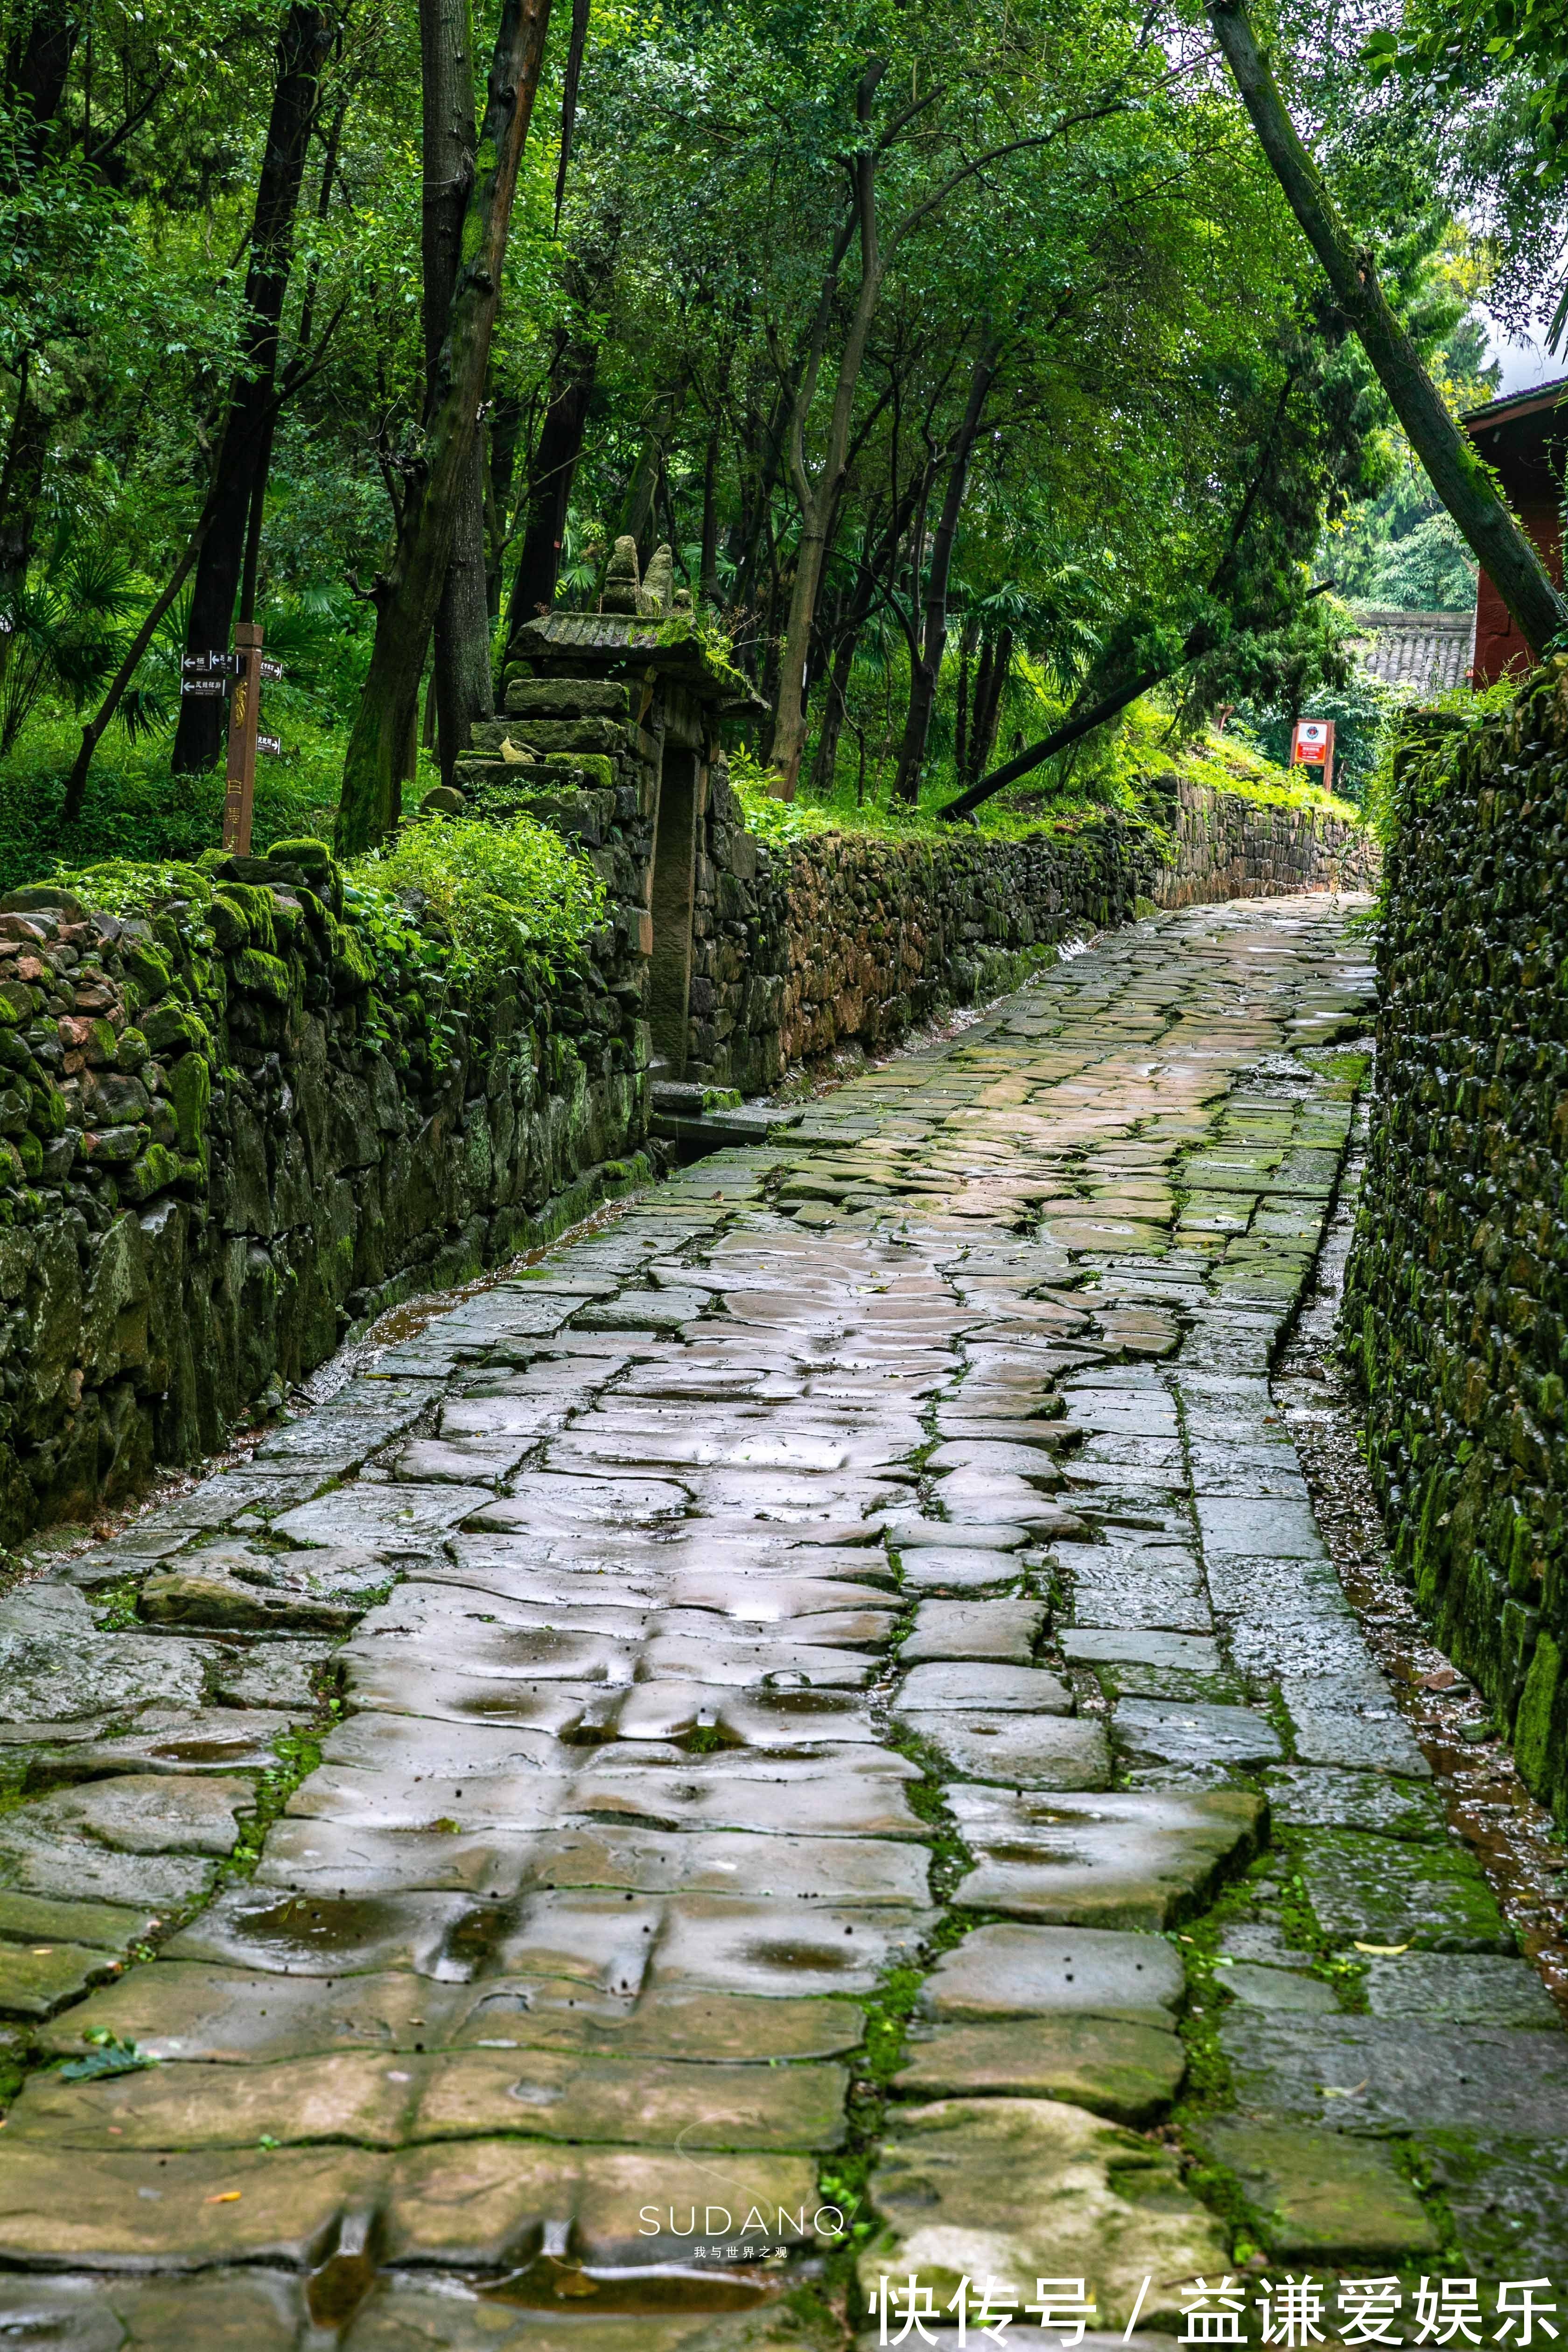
x,y
1383,1951
224,2196
1441,1679
1330,2090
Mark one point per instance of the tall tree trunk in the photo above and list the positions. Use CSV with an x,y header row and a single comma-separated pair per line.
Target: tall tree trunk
x,y
961,716
561,439
500,443
642,490
35,74
925,673
761,471
1452,463
21,482
851,619
819,501
461,665
36,71
407,591
243,452
825,763
991,679
708,569
461,675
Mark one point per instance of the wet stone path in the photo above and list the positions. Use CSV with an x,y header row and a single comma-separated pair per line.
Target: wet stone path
x,y
842,1709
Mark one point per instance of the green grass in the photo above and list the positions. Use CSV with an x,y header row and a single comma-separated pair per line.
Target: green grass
x,y
135,809
1230,767
1116,771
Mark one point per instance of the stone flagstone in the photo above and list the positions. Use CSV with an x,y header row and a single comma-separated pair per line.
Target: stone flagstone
x,y
729,1611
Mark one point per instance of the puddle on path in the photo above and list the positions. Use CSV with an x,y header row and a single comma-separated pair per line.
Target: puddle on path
x,y
1487,1803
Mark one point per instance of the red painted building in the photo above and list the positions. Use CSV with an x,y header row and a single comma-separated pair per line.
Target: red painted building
x,y
1524,439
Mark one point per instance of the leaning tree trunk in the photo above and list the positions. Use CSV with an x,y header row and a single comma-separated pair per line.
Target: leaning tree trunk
x,y
1096,714
461,665
1453,466
239,476
407,591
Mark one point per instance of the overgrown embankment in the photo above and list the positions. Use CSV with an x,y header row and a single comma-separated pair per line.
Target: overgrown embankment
x,y
1458,1280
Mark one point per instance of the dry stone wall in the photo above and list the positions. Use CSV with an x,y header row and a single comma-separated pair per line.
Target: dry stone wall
x,y
847,939
1225,846
222,1147
1458,1289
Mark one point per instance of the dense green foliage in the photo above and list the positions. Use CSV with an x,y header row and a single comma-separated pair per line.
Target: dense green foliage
x,y
1489,81
499,891
989,318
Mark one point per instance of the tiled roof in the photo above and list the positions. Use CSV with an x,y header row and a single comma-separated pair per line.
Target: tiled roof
x,y
1425,652
1523,403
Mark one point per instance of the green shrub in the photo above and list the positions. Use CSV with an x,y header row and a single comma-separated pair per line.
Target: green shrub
x,y
778,823
1472,705
502,892
132,886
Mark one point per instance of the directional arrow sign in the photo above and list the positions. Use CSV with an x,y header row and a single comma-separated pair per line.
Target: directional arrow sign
x,y
273,743
270,668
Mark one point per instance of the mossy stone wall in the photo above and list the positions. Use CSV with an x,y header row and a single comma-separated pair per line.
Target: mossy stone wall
x,y
220,1148
1226,845
1458,1289
848,939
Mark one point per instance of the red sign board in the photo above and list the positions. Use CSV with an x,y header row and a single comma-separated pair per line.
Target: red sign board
x,y
1312,746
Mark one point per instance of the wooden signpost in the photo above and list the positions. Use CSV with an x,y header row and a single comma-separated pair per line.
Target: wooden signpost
x,y
238,675
1312,746
244,711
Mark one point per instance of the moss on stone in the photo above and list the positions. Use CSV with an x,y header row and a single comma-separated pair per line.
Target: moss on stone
x,y
1532,1743
190,1091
